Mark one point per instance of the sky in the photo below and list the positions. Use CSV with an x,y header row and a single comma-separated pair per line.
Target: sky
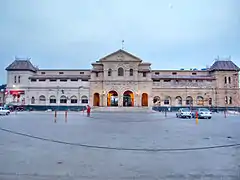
x,y
71,34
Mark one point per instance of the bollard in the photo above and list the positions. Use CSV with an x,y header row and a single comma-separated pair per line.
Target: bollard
x,y
225,114
165,113
66,116
55,117
196,117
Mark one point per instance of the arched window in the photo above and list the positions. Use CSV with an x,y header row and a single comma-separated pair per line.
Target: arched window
x,y
32,100
225,79
73,100
178,100
19,79
63,100
110,72
229,80
120,72
131,72
200,100
42,99
230,100
167,100
156,100
210,101
52,100
189,100
84,99
226,100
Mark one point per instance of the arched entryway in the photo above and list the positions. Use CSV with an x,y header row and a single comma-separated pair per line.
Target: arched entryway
x,y
128,98
112,98
144,99
96,99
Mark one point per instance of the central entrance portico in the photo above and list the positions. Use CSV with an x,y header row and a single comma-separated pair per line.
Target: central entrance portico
x,y
120,79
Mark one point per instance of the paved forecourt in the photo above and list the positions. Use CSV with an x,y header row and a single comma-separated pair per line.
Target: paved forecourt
x,y
117,146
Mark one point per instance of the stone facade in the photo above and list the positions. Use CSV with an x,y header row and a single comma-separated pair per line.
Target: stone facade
x,y
122,79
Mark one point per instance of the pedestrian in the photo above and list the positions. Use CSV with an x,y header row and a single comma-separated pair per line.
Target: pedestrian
x,y
88,110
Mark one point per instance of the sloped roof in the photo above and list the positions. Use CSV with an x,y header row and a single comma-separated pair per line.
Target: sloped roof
x,y
121,51
21,65
224,66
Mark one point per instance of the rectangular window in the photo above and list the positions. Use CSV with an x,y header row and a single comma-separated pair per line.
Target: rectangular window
x,y
81,72
155,80
144,74
84,101
73,101
63,101
19,79
229,80
174,73
15,79
166,101
157,73
74,80
42,80
43,73
33,80
84,79
53,80
194,73
61,73
63,80
96,74
189,80
166,80
53,101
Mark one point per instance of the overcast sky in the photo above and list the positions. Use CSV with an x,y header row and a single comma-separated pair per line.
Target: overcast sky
x,y
73,33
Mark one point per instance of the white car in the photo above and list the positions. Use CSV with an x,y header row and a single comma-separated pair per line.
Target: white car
x,y
202,113
4,111
184,113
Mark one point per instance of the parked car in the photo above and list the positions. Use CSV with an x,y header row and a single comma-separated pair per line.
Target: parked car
x,y
184,113
4,111
202,113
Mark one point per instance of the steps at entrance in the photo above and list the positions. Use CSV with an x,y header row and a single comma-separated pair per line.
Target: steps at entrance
x,y
122,109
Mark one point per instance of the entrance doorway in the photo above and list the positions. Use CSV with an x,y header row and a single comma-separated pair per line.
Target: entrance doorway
x,y
144,99
96,99
112,98
128,99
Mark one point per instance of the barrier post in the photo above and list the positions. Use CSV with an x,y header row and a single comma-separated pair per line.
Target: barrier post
x,y
55,117
66,116
196,117
225,114
165,113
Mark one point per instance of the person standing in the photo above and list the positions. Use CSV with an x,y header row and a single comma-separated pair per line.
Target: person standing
x,y
88,110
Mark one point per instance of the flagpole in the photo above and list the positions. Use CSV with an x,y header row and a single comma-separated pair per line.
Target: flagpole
x,y
122,44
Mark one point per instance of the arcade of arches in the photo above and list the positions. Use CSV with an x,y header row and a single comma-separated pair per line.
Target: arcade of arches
x,y
127,99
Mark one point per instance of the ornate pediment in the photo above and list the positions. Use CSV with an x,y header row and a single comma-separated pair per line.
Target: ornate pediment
x,y
120,55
